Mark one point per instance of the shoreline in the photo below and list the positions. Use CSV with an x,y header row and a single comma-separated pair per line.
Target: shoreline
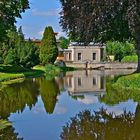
x,y
11,76
7,77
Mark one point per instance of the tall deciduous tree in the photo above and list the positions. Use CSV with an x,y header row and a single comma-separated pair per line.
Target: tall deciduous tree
x,y
48,49
102,20
9,11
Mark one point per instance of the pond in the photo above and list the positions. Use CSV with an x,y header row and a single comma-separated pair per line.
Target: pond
x,y
78,105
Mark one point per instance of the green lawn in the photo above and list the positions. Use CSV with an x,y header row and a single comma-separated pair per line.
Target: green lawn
x,y
9,72
8,76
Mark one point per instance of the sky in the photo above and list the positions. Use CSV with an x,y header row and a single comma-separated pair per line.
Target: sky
x,y
42,13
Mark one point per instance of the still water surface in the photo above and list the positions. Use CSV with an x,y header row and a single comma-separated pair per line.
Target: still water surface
x,y
79,105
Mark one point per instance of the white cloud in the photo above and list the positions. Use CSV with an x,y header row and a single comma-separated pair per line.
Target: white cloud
x,y
40,33
88,99
60,110
61,34
53,12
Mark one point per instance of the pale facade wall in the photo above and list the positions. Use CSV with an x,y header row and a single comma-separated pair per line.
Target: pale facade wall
x,y
86,54
68,55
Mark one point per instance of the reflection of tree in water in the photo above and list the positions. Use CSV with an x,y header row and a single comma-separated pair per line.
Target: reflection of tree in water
x,y
49,91
102,126
15,97
9,134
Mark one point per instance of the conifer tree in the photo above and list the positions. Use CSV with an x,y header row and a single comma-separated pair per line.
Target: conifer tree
x,y
48,49
11,57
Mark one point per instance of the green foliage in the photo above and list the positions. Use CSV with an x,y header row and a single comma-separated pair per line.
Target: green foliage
x,y
11,57
120,49
48,49
64,42
133,58
3,52
101,21
18,51
29,55
4,124
27,52
92,20
39,67
10,10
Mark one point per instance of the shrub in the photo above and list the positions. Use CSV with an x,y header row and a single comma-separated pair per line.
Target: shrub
x,y
120,49
133,58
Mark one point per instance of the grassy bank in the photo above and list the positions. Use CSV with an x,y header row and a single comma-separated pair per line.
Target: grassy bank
x,y
9,72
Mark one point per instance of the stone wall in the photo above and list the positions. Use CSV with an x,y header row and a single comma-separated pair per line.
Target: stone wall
x,y
113,65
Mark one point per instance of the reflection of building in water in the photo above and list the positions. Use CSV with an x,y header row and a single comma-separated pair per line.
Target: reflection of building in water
x,y
85,81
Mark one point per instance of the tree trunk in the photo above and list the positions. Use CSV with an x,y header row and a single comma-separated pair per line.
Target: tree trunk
x,y
138,67
138,53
